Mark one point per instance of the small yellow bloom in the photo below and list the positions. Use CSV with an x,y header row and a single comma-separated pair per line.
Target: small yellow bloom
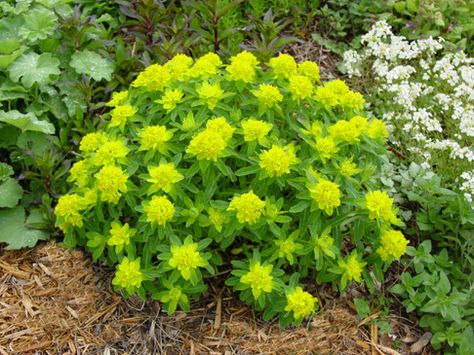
x,y
348,168
300,302
259,279
90,142
210,94
217,218
268,95
393,245
206,65
207,145
220,125
377,130
80,173
163,177
110,152
186,258
337,93
300,87
353,268
68,211
360,122
159,210
255,130
120,114
327,194
380,205
345,131
111,180
277,160
155,138
242,67
170,99
153,78
178,66
128,275
352,100
283,66
310,70
119,235
117,98
248,206
326,147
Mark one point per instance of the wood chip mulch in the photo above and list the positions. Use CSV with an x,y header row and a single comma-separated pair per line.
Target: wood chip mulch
x,y
53,300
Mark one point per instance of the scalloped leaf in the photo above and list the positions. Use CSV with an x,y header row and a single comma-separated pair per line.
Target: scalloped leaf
x,y
92,64
34,68
26,121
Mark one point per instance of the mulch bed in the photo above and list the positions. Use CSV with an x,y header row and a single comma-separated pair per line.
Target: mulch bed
x,y
53,300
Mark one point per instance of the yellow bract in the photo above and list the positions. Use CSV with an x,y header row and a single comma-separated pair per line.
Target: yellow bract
x,y
300,87
207,145
110,152
300,302
159,210
310,70
163,177
186,258
283,66
120,235
277,160
128,275
327,194
155,138
242,67
393,245
90,142
153,78
120,114
210,94
268,95
259,279
380,205
248,206
255,130
111,181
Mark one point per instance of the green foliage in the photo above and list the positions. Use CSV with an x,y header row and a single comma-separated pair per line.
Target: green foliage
x,y
16,229
92,64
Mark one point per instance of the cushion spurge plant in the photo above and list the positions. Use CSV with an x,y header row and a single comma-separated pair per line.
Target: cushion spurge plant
x,y
204,166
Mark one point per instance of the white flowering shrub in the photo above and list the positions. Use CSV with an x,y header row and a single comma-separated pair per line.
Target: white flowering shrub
x,y
426,98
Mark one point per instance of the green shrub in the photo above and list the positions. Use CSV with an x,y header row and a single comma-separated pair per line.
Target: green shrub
x,y
203,166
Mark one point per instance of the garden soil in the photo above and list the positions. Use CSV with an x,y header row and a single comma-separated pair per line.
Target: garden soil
x,y
53,300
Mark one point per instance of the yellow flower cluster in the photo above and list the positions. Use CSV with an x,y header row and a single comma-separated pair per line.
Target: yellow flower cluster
x,y
159,210
268,95
154,78
393,245
80,173
310,70
128,275
284,66
256,130
111,181
277,160
155,138
120,114
170,99
210,94
380,205
206,65
92,141
211,143
110,152
117,98
68,211
327,195
249,207
242,67
186,258
178,66
300,87
337,93
300,302
217,218
120,235
353,268
259,279
348,168
163,177
326,147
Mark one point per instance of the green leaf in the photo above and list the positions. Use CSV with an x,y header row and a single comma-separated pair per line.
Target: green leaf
x,y
5,171
34,68
92,64
14,231
26,122
39,25
362,307
10,193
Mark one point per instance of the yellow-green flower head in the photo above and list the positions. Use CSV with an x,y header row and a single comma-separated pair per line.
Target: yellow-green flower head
x,y
119,235
380,205
117,98
242,67
220,125
377,130
110,152
277,161
326,147
80,173
255,130
249,207
207,145
360,122
170,99
353,268
300,87
286,248
90,142
352,100
310,70
153,78
259,279
159,210
327,194
178,66
155,138
283,66
89,197
120,114
163,177
111,180
186,258
300,302
338,87
345,131
348,168
206,65
393,245
210,93
268,95
128,275
217,218
68,211
330,93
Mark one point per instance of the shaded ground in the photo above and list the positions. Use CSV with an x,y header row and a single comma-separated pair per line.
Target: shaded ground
x,y
57,301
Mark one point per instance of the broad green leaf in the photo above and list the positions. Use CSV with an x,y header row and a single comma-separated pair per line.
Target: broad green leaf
x,y
15,233
26,122
35,142
7,59
362,307
92,64
10,193
39,25
5,171
34,68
